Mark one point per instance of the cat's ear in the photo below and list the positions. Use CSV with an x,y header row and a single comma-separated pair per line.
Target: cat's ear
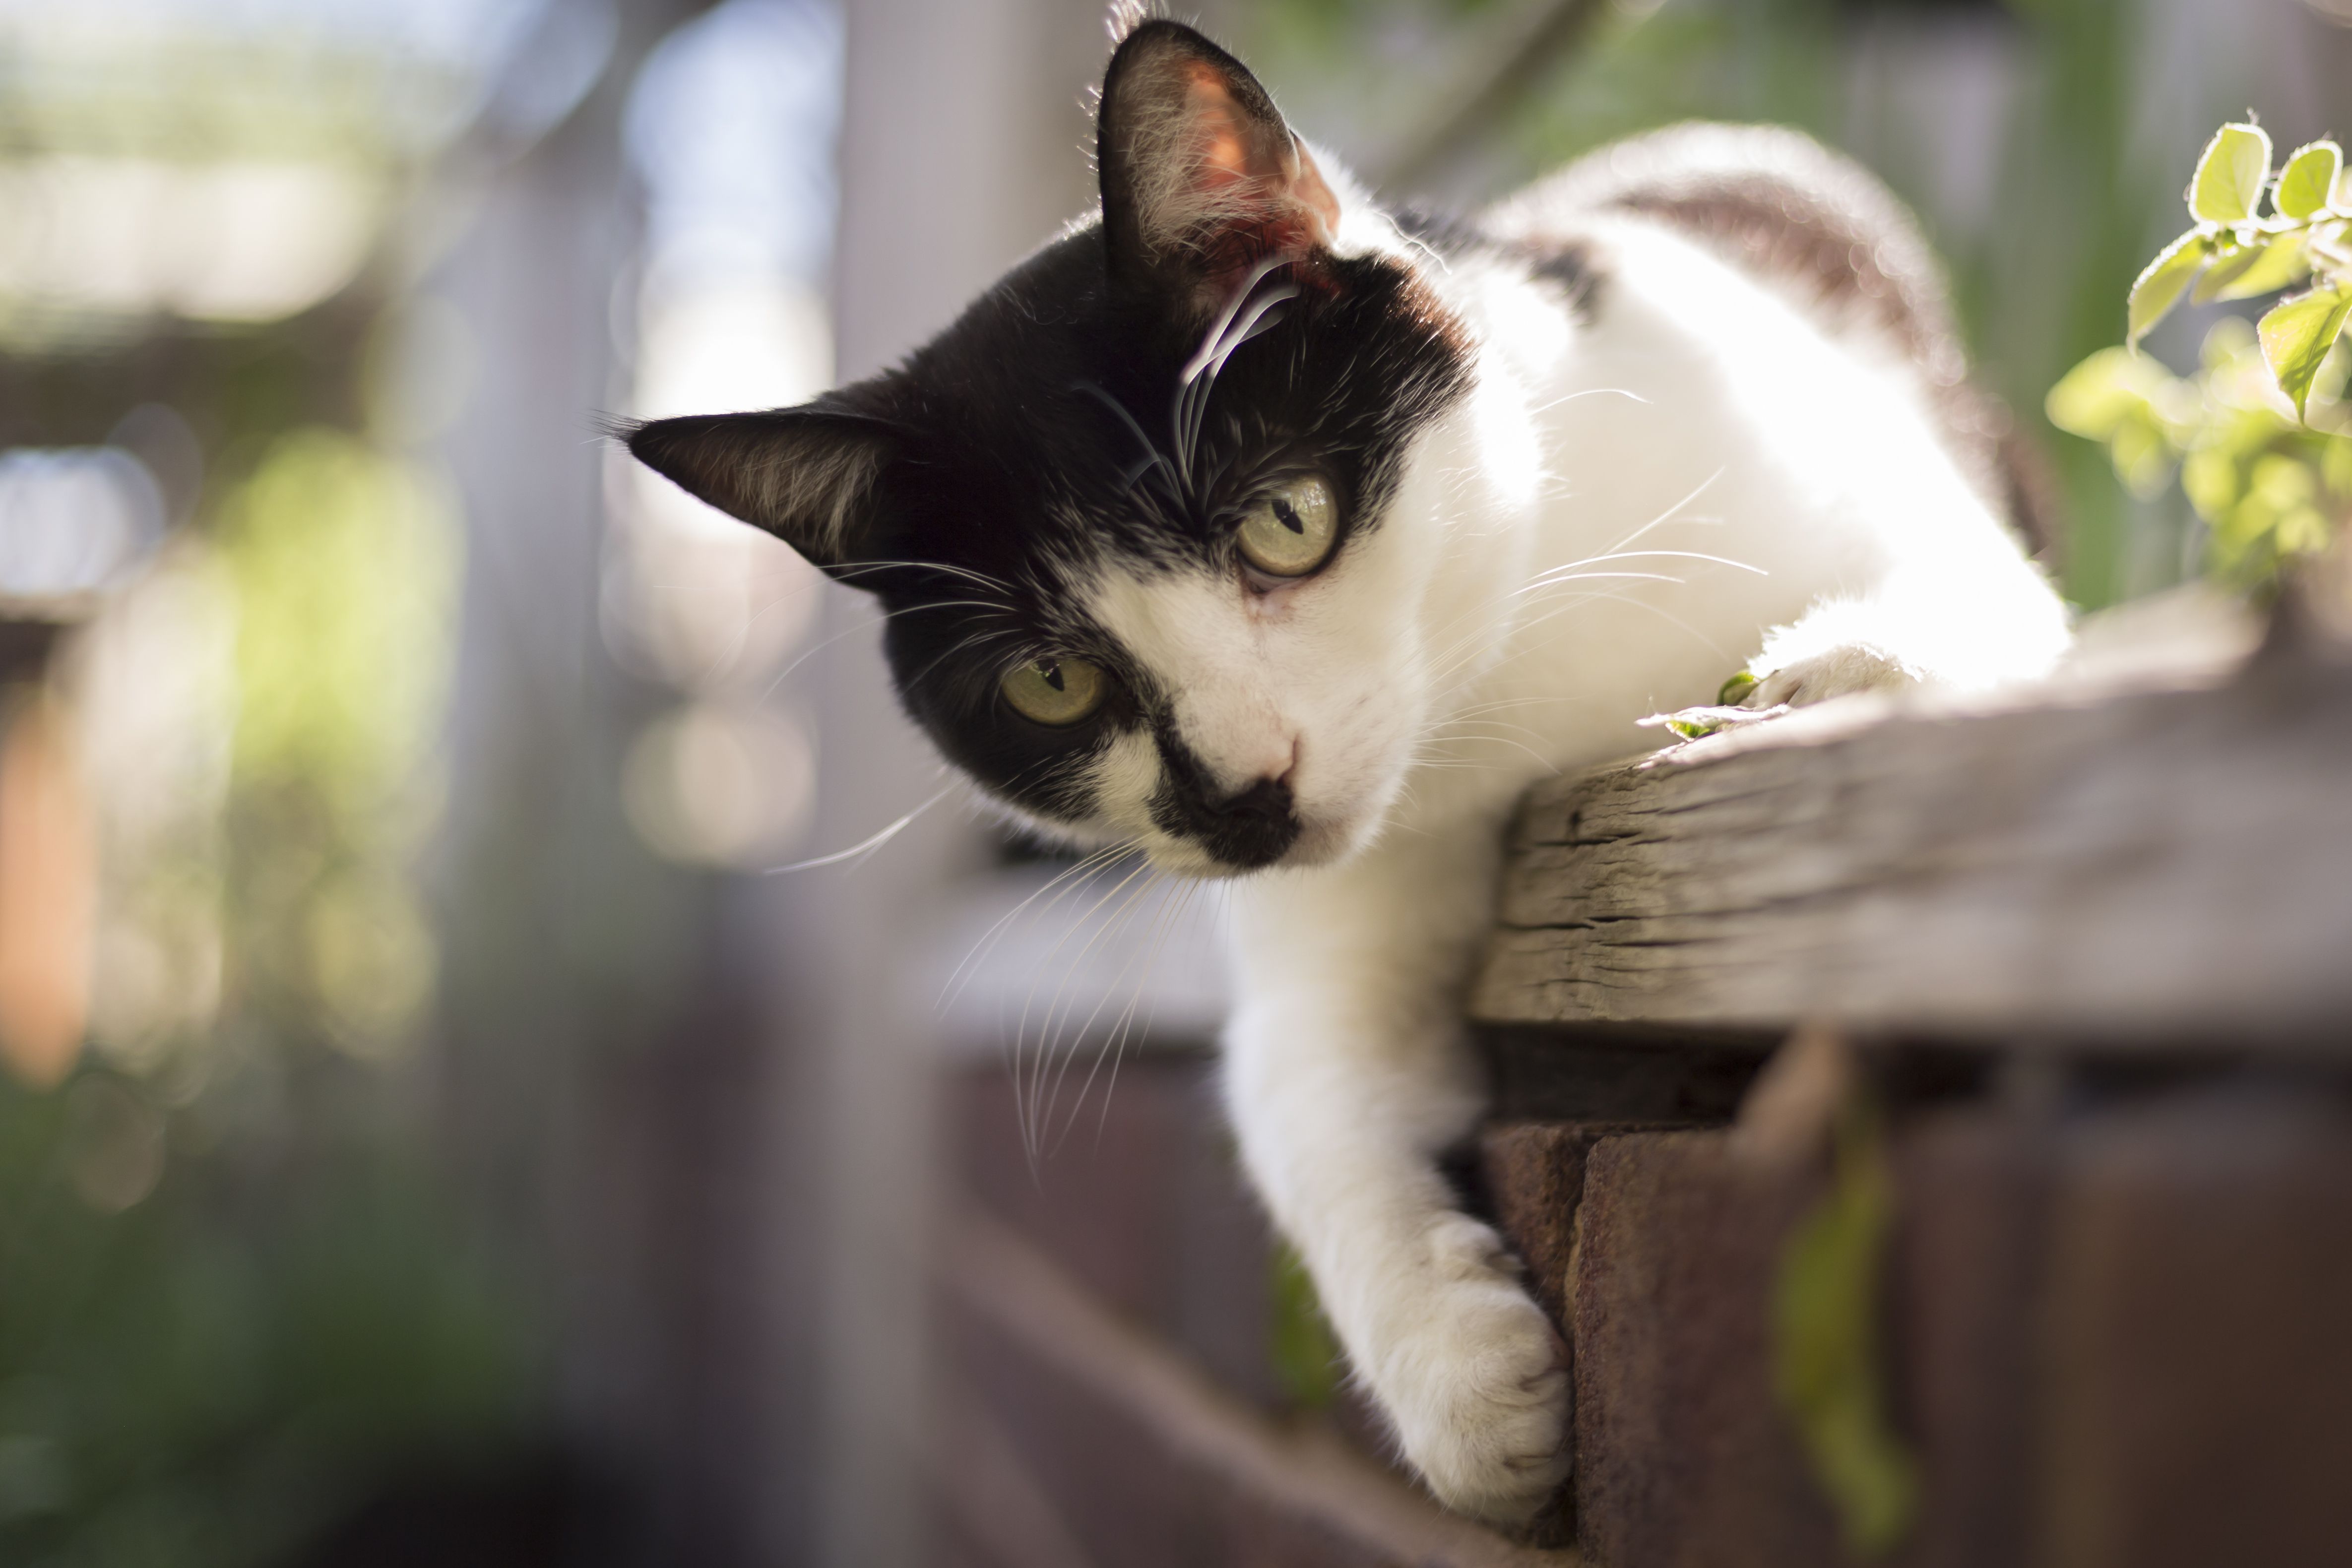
x,y
806,474
1202,179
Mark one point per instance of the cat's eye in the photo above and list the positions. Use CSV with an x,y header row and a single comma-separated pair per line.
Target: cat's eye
x,y
1290,531
1056,691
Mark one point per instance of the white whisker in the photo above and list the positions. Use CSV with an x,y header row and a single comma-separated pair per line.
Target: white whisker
x,y
859,851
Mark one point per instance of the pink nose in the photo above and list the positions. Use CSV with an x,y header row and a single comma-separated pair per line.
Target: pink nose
x,y
1282,767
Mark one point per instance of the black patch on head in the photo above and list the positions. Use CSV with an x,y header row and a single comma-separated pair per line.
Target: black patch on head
x,y
1052,433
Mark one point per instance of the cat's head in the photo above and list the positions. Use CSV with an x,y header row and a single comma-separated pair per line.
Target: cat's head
x,y
1133,518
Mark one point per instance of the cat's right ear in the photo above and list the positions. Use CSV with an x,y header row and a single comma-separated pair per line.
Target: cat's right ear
x,y
1202,179
806,474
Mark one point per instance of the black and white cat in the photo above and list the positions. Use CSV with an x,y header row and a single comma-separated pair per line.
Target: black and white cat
x,y
1287,540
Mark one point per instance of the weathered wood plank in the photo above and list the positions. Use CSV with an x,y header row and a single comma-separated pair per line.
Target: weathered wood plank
x,y
2163,866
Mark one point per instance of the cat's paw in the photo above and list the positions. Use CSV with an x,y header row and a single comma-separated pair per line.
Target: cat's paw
x,y
1475,1382
1834,672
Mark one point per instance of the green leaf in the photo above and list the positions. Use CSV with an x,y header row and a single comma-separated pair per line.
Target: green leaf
x,y
2264,268
1735,690
1827,1347
1305,1355
2229,260
2297,334
2095,398
2304,183
2230,175
2160,284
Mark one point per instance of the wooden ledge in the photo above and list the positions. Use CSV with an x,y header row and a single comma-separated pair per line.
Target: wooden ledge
x,y
2165,870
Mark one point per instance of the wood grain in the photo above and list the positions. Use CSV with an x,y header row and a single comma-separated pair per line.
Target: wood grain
x,y
2165,868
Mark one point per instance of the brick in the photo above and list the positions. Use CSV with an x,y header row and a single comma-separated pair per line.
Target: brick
x,y
1966,1267
1683,1458
1535,1175
2199,1405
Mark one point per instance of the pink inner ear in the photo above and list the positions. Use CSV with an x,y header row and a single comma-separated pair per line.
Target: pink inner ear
x,y
1224,145
1256,182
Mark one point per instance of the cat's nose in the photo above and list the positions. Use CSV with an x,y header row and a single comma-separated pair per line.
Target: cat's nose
x,y
1255,828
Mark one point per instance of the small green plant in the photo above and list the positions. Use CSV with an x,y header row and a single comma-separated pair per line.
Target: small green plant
x,y
1829,1345
1299,1342
2260,434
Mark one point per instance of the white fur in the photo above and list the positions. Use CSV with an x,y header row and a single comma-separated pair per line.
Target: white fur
x,y
1456,652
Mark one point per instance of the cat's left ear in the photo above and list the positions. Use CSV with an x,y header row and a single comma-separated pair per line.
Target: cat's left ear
x,y
806,474
1202,180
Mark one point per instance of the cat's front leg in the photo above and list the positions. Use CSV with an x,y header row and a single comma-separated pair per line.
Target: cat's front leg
x,y
1348,1073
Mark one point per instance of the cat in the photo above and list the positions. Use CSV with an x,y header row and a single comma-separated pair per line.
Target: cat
x,y
1286,538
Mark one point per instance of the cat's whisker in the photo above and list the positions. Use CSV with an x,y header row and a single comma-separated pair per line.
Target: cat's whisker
x,y
1029,1122
1252,310
1701,488
1554,573
1664,614
1174,912
860,567
865,847
1542,761
1557,577
1139,965
1456,657
985,945
1153,456
1441,673
810,652
970,641
1069,880
1052,1030
1588,391
1501,703
1258,273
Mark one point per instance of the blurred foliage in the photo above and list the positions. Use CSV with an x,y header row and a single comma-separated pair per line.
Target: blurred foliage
x,y
2266,484
344,563
207,1375
1827,1348
2259,435
237,1297
1299,1342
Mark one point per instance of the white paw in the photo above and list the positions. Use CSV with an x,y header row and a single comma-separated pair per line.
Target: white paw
x,y
1835,673
1475,1380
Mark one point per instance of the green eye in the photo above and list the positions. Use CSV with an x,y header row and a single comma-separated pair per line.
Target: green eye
x,y
1290,532
1058,691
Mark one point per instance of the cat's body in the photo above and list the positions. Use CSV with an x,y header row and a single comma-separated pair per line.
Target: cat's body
x,y
1254,529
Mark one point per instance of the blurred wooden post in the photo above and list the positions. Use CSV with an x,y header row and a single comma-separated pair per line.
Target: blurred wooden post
x,y
962,148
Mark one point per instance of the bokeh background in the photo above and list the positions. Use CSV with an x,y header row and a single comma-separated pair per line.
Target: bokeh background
x,y
444,1116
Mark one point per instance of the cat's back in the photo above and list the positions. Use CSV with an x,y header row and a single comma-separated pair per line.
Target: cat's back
x,y
1773,203
1811,224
